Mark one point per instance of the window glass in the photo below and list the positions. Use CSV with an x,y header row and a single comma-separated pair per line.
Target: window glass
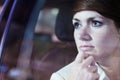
x,y
44,29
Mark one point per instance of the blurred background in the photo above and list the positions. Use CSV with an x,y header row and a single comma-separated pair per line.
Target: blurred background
x,y
36,38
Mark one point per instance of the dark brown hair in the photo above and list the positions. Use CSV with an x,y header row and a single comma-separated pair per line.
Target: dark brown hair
x,y
107,8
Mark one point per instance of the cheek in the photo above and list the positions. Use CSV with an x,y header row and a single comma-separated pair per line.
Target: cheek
x,y
76,39
105,42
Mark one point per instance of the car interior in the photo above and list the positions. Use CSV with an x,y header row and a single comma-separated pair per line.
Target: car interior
x,y
36,38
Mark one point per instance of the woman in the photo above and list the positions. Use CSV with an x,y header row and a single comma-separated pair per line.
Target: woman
x,y
97,37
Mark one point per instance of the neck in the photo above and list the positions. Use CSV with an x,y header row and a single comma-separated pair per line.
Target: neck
x,y
111,66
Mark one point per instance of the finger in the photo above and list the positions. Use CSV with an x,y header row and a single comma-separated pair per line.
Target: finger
x,y
93,63
88,61
93,69
80,57
94,76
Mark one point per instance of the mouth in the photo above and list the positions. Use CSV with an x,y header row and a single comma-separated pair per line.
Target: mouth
x,y
87,47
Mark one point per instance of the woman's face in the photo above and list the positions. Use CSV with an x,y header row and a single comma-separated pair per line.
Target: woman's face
x,y
95,34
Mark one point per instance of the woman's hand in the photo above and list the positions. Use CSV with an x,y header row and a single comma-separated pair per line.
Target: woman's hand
x,y
84,68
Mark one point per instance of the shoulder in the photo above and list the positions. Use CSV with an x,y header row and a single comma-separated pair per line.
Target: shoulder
x,y
62,74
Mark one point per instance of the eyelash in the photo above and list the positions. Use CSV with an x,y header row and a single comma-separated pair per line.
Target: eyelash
x,y
76,25
96,23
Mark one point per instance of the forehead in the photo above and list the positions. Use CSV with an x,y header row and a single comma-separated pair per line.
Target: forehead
x,y
87,14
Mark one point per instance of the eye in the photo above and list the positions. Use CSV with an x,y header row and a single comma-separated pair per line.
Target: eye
x,y
76,25
96,23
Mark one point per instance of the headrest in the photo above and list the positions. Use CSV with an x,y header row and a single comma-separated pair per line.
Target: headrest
x,y
64,28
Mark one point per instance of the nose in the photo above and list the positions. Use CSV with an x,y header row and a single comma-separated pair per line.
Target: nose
x,y
85,34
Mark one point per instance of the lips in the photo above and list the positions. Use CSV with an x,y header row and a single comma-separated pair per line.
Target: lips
x,y
86,47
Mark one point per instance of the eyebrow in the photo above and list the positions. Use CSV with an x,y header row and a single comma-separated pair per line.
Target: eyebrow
x,y
76,19
88,19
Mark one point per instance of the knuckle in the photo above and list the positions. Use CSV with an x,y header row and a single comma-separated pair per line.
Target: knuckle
x,y
93,76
